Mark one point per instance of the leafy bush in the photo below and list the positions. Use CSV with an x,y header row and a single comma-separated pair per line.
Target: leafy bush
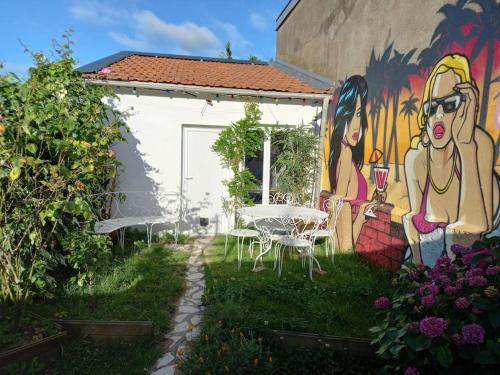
x,y
56,133
296,164
235,143
87,254
444,319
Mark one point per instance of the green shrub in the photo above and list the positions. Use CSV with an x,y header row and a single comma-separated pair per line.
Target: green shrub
x,y
445,319
56,133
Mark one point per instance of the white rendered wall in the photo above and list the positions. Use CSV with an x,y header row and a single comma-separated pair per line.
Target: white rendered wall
x,y
152,158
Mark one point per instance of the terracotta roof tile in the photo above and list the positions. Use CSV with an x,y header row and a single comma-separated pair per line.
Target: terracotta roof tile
x,y
224,74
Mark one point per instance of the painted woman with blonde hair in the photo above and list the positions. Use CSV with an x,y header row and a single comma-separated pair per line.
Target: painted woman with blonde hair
x,y
452,187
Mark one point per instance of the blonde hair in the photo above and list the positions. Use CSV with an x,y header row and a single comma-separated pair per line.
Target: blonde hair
x,y
459,64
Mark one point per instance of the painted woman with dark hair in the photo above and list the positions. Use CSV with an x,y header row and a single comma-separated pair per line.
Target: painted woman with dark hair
x,y
346,160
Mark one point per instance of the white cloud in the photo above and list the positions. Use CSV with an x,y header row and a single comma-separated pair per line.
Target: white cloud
x,y
134,44
258,21
239,44
187,36
100,14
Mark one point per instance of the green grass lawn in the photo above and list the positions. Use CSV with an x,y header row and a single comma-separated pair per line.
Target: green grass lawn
x,y
241,305
339,302
143,286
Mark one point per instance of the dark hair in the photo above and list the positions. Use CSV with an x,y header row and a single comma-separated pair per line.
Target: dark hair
x,y
353,87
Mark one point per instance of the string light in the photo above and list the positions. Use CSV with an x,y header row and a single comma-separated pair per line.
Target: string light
x,y
134,91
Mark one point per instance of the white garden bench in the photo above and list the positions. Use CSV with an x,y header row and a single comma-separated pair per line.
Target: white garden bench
x,y
133,208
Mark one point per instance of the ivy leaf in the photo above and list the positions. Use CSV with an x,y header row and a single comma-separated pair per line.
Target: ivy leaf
x,y
15,173
444,356
32,148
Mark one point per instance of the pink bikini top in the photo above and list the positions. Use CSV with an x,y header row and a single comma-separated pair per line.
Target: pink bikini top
x,y
421,224
362,185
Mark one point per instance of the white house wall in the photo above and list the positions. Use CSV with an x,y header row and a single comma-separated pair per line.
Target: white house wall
x,y
152,157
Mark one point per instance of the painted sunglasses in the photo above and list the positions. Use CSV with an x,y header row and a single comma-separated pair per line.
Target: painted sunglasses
x,y
449,103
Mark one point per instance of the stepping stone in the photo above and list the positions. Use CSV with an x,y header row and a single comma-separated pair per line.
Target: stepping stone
x,y
198,295
174,339
165,360
169,370
180,317
181,327
195,276
195,320
190,336
188,309
201,283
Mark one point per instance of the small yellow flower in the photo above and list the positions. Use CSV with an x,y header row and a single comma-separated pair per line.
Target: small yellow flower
x,y
256,361
206,338
270,359
2,129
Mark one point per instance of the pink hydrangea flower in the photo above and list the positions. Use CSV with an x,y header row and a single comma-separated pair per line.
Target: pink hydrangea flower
x,y
382,303
477,281
473,272
462,303
473,333
433,326
492,270
428,288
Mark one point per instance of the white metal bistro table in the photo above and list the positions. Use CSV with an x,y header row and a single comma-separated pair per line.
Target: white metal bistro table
x,y
293,221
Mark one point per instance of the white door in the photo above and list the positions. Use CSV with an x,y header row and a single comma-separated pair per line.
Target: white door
x,y
202,176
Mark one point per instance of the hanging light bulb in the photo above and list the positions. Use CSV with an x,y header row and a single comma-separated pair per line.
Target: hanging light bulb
x,y
134,91
276,101
217,98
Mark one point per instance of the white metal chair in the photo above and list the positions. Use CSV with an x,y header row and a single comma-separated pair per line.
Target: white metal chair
x,y
241,235
298,240
329,231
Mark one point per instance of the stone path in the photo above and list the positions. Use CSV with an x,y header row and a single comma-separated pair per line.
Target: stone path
x,y
187,319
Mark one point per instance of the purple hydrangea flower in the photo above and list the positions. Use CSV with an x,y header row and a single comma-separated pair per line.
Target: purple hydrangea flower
x,y
492,270
473,333
473,272
433,326
428,300
477,281
460,250
467,259
459,284
444,280
457,339
382,303
462,303
427,289
491,291
411,371
450,290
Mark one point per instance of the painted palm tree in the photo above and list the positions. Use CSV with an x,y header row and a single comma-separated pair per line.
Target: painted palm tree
x,y
486,29
408,108
384,75
447,32
400,70
374,78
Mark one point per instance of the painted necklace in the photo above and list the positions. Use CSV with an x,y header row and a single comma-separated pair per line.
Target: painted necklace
x,y
433,184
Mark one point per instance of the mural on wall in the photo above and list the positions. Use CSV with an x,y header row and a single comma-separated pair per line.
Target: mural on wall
x,y
421,113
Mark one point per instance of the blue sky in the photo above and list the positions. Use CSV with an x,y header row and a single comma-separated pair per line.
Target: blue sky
x,y
101,28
